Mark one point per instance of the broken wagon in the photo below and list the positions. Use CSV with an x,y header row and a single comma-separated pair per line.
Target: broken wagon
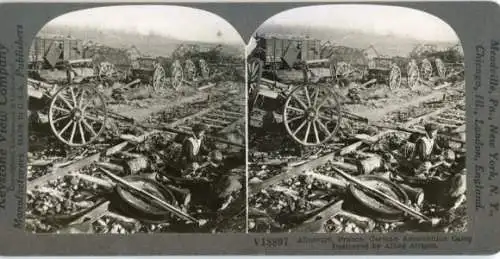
x,y
287,59
311,112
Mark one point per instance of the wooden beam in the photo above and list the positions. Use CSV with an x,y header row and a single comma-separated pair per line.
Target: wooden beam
x,y
290,172
58,172
215,120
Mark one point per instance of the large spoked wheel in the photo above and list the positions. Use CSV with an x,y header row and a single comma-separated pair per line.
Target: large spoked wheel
x,y
77,115
413,75
106,69
312,114
394,77
177,75
441,69
204,70
190,70
158,78
426,69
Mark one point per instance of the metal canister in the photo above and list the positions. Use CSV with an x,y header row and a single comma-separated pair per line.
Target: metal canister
x,y
369,165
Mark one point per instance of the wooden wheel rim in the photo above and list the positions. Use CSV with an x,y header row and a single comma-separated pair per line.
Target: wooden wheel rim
x,y
158,78
254,74
205,72
72,113
106,69
394,77
426,69
177,75
441,69
413,75
190,70
312,118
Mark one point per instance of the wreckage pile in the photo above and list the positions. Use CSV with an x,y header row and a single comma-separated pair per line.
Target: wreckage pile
x,y
289,189
67,186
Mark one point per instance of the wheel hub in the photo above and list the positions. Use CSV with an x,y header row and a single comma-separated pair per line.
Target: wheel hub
x,y
311,114
77,114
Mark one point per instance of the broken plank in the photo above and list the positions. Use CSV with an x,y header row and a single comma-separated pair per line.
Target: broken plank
x,y
233,125
290,172
215,120
315,224
353,147
231,113
450,121
61,171
224,116
198,114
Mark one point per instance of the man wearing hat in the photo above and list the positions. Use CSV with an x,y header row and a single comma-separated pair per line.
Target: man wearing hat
x,y
70,72
426,144
193,148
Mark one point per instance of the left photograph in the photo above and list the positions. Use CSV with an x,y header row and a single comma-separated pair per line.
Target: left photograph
x,y
136,123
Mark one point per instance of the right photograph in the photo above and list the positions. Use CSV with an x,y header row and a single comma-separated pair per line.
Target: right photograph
x,y
356,122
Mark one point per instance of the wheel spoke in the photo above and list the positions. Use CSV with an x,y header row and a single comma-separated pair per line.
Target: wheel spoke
x,y
297,110
73,131
294,119
61,109
81,98
300,127
60,118
86,124
307,96
73,96
81,132
65,128
299,101
65,101
306,137
316,94
316,134
323,127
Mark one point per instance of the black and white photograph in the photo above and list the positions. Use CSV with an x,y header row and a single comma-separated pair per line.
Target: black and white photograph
x,y
136,123
356,122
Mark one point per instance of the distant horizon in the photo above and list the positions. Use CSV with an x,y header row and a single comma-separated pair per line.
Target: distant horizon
x,y
183,23
84,27
376,19
266,26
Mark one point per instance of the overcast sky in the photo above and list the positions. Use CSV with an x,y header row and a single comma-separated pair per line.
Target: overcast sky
x,y
179,22
370,18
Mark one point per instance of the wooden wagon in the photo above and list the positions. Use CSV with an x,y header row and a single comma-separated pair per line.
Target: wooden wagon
x,y
310,111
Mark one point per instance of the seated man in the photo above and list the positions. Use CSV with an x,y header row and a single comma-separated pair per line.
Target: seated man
x,y
426,145
193,149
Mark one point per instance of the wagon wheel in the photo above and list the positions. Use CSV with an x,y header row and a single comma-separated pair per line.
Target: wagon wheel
x,y
106,69
190,70
394,77
254,74
333,70
158,78
312,114
77,115
413,74
343,69
204,71
426,69
441,69
177,74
